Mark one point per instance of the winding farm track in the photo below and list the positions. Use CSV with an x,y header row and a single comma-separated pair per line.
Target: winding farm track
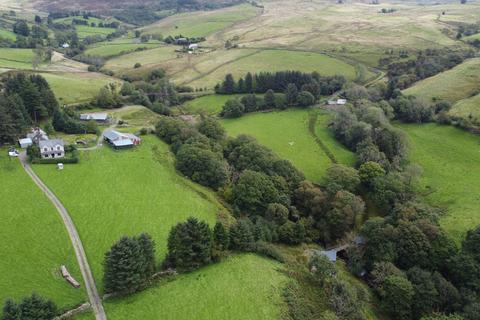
x,y
90,286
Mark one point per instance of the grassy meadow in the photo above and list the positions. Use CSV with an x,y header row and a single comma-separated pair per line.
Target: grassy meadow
x,y
114,193
449,158
211,104
7,34
467,108
16,58
286,133
453,85
120,46
340,152
78,86
148,58
275,60
33,241
201,24
246,287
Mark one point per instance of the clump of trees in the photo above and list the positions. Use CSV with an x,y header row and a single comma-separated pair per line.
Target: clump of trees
x,y
31,307
313,82
129,264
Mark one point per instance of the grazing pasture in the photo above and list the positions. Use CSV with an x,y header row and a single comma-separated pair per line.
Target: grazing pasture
x,y
274,60
85,31
246,287
33,241
340,153
77,86
7,34
467,108
286,133
449,158
114,193
148,58
211,104
14,58
120,46
455,84
202,23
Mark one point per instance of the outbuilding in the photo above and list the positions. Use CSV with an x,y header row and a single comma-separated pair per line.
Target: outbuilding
x,y
25,143
121,140
98,117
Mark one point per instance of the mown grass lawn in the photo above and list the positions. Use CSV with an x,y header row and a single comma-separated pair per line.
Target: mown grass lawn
x,y
286,133
244,287
450,160
114,193
33,241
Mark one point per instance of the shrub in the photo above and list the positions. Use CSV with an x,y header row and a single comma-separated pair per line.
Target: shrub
x,y
305,99
269,250
137,65
233,109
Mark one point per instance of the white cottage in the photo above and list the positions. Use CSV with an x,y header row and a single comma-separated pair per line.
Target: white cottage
x,y
54,148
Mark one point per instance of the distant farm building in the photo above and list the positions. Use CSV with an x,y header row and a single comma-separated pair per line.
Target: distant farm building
x,y
181,41
25,143
98,117
65,46
54,148
121,140
193,47
338,102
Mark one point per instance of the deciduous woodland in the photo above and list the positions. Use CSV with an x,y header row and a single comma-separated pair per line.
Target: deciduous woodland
x,y
205,159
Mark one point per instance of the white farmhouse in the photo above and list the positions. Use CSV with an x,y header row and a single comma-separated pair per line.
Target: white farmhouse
x,y
54,148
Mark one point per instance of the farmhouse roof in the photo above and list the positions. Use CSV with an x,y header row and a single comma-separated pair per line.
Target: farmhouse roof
x,y
50,143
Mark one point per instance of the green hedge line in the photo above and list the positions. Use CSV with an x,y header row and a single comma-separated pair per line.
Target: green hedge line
x,y
55,161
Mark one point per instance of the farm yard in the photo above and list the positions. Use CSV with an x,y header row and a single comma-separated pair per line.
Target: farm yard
x,y
33,241
242,287
139,191
448,157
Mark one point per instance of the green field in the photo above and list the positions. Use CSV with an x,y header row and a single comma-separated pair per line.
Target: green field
x,y
85,31
342,155
211,104
449,158
286,133
147,58
16,58
114,193
245,287
201,24
458,83
7,34
272,60
112,48
467,108
33,241
78,86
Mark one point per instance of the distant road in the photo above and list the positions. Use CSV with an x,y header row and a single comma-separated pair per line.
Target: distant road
x,y
92,292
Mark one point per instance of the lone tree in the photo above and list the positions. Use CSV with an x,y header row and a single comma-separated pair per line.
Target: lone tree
x,y
189,245
129,264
